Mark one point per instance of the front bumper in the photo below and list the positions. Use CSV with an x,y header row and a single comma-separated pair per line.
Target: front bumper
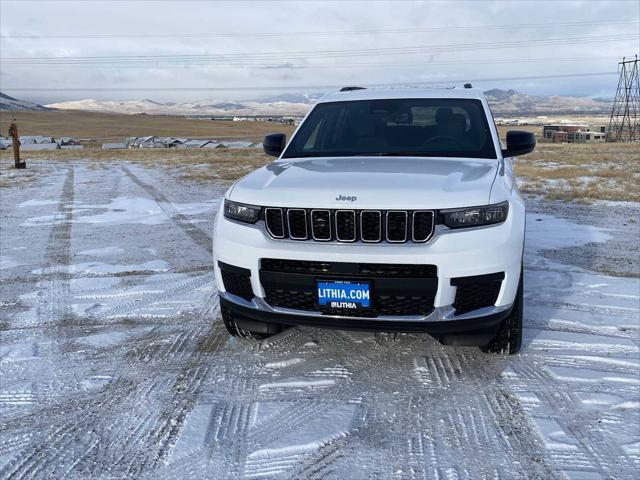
x,y
256,315
454,253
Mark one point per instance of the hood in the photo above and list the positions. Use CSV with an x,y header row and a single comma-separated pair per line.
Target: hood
x,y
369,182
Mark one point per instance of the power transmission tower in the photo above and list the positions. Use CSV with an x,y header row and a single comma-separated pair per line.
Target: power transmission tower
x,y
624,124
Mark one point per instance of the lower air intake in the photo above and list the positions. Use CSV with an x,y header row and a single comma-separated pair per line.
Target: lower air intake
x,y
236,280
473,293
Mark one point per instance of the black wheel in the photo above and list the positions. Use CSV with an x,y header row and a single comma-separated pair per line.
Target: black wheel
x,y
230,324
508,340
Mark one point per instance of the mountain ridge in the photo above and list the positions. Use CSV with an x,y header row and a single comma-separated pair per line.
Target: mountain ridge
x,y
503,102
10,104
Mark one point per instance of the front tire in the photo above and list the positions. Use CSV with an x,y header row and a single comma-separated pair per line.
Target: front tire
x,y
508,340
229,320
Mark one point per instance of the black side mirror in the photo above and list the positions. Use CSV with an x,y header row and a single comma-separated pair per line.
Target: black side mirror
x,y
519,143
274,144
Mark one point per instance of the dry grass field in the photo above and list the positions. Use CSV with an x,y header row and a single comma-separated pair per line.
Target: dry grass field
x,y
583,172
603,171
102,127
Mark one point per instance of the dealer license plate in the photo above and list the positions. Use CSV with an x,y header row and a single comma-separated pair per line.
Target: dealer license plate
x,y
343,295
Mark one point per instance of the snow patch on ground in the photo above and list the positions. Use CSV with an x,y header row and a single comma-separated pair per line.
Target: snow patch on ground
x,y
99,268
299,383
193,433
103,252
8,262
568,374
279,456
553,436
36,203
113,338
18,352
284,363
126,210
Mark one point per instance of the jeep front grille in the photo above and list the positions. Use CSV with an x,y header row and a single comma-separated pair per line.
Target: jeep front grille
x,y
369,226
398,289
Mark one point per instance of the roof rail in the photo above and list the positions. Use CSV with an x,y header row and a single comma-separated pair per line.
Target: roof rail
x,y
351,89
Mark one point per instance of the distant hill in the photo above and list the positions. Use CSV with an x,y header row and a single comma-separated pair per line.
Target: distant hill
x,y
510,102
503,102
201,107
10,104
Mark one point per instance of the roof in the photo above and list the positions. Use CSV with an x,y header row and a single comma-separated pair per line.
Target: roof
x,y
145,139
195,143
382,93
28,139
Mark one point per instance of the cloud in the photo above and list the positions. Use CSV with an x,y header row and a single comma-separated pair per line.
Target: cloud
x,y
291,44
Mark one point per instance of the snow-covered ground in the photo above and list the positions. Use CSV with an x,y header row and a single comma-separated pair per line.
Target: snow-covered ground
x,y
114,363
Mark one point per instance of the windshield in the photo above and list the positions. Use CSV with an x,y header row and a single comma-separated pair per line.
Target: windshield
x,y
435,127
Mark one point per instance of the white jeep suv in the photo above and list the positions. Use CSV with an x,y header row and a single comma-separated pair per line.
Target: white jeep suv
x,y
388,210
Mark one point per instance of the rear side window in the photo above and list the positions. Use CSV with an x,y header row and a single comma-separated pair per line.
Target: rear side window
x,y
422,127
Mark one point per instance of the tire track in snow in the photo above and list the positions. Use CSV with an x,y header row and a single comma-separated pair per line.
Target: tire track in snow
x,y
52,311
585,447
183,392
56,450
181,289
53,291
195,233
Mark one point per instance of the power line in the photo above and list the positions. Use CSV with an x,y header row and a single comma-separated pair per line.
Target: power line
x,y
421,64
191,58
299,87
322,33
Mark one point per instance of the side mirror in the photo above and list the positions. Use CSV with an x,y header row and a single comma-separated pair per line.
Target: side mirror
x,y
274,144
519,143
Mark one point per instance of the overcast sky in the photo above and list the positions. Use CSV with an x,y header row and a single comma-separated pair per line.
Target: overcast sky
x,y
307,47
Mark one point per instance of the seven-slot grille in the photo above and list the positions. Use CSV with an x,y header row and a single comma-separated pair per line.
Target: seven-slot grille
x,y
342,225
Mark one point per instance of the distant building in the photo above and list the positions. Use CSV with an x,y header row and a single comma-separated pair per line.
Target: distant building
x,y
574,133
113,146
547,130
171,142
199,144
31,147
238,144
152,141
586,137
211,144
67,141
35,139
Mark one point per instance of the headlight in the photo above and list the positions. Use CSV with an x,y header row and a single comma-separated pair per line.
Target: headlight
x,y
475,216
241,212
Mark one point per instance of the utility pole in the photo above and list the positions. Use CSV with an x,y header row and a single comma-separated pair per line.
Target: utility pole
x,y
624,124
13,133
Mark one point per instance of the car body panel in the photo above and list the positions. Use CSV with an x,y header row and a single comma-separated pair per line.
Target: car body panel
x,y
373,181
